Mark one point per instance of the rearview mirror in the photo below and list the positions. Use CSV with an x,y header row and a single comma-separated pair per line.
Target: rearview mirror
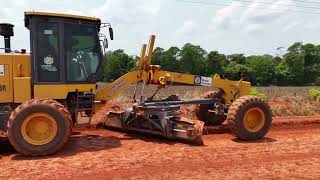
x,y
111,33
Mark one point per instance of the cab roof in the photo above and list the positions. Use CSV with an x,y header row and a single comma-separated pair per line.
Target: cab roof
x,y
32,13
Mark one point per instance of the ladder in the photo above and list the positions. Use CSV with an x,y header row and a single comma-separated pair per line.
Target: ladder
x,y
84,105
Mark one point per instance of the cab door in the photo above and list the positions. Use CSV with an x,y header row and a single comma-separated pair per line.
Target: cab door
x,y
48,55
45,48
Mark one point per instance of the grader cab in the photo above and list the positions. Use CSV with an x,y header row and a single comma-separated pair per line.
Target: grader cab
x,y
42,93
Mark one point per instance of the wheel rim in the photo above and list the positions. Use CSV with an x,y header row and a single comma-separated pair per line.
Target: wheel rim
x,y
254,119
39,129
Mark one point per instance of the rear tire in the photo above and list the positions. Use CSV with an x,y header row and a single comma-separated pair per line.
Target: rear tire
x,y
202,111
39,127
249,118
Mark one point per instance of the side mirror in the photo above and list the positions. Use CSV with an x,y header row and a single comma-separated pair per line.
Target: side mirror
x,y
111,33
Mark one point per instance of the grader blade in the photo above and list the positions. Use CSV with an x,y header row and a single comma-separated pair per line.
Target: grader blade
x,y
158,120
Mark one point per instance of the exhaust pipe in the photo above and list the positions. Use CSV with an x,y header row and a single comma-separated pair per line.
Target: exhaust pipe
x,y
6,30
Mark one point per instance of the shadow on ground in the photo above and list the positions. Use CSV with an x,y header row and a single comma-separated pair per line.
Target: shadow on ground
x,y
77,144
5,148
133,135
221,129
263,140
89,142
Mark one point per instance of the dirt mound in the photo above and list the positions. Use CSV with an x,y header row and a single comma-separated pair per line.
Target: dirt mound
x,y
99,116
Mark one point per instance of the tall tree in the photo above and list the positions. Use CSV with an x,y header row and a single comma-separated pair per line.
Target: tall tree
x,y
156,56
262,69
192,59
237,58
294,61
215,63
234,71
298,66
311,62
169,59
116,64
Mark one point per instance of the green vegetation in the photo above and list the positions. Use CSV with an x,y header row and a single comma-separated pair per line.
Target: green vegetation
x,y
300,65
116,64
315,93
255,92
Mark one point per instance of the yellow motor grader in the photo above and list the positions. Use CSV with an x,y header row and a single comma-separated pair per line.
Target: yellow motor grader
x,y
42,93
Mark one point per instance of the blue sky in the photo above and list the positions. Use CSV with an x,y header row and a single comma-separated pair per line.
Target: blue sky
x,y
238,27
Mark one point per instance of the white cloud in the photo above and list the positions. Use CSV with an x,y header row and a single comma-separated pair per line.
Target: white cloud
x,y
188,27
310,25
151,7
253,28
251,18
261,13
128,12
132,14
226,16
290,26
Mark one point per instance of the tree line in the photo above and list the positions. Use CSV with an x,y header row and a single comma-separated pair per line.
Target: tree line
x,y
299,65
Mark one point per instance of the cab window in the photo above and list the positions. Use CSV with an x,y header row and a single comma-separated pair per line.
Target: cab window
x,y
48,62
82,52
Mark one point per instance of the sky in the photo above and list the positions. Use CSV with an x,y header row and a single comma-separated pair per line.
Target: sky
x,y
252,27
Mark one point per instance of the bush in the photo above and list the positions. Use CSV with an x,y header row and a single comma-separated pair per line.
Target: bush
x,y
255,92
314,93
317,81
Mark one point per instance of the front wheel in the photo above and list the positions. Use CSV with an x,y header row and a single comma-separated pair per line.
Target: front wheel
x,y
39,127
249,118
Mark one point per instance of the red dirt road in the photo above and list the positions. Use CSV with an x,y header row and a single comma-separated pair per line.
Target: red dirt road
x,y
290,151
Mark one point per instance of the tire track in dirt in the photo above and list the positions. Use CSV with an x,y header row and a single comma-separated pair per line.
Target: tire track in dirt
x,y
185,167
278,156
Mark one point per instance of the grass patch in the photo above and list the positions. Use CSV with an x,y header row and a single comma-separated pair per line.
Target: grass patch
x,y
314,93
284,101
257,93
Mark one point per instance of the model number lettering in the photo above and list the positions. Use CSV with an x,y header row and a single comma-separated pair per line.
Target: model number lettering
x,y
202,81
3,88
